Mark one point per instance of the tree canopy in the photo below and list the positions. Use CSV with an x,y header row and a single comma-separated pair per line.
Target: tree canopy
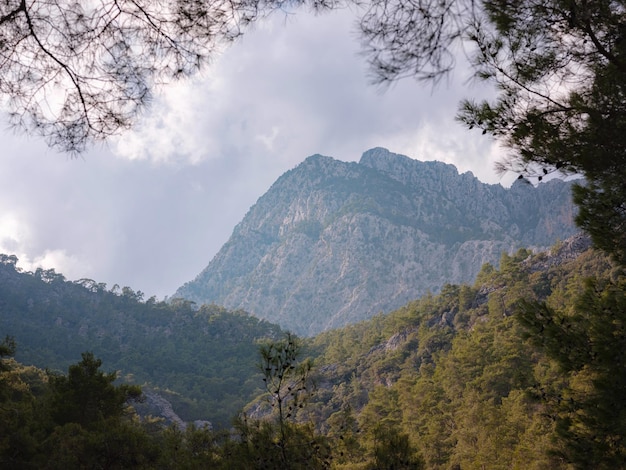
x,y
469,378
559,70
75,72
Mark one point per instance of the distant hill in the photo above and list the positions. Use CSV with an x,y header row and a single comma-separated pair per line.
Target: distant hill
x,y
200,362
457,372
332,243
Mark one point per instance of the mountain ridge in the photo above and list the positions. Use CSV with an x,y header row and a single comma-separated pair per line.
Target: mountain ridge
x,y
332,243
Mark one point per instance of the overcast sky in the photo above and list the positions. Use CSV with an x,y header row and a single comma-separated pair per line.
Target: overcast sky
x,y
150,209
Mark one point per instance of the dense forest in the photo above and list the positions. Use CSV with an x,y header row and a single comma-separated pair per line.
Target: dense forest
x,y
523,369
201,359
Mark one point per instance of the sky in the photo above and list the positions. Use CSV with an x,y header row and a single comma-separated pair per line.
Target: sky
x,y
150,208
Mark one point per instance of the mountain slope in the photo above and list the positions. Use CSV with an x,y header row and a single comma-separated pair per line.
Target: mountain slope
x,y
460,375
202,360
332,243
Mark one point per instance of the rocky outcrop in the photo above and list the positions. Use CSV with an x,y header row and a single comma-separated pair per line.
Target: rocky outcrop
x,y
333,243
560,253
156,405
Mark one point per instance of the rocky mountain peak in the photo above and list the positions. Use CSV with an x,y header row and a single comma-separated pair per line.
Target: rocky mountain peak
x,y
334,242
399,166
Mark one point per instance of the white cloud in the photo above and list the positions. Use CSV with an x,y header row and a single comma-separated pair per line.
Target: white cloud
x,y
59,260
468,151
17,237
12,232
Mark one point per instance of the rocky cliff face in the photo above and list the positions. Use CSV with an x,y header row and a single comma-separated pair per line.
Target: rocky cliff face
x,y
333,243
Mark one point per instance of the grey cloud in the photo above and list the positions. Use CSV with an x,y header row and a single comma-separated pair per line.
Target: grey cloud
x,y
281,94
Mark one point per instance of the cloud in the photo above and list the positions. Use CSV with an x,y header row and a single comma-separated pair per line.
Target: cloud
x,y
292,86
12,232
150,209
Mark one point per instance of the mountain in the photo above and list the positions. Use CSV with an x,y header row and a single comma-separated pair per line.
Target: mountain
x,y
332,243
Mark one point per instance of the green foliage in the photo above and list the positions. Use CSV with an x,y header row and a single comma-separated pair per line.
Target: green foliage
x,y
74,421
7,348
588,342
83,420
18,387
277,440
205,356
114,445
262,444
393,450
285,376
343,433
524,370
87,396
457,374
601,213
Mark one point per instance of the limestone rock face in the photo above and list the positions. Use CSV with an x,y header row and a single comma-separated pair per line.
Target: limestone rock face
x,y
333,243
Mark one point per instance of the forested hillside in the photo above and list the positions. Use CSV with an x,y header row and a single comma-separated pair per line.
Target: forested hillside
x,y
467,379
202,360
518,370
523,367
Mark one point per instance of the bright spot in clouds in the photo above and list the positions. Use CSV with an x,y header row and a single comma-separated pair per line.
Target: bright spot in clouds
x,y
11,232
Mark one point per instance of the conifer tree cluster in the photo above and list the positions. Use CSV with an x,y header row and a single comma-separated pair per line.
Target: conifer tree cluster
x,y
524,369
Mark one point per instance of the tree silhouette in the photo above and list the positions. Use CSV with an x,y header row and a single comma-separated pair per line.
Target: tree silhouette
x,y
75,72
559,68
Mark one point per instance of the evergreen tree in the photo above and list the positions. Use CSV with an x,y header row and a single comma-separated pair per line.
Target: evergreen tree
x,y
279,441
589,345
87,396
